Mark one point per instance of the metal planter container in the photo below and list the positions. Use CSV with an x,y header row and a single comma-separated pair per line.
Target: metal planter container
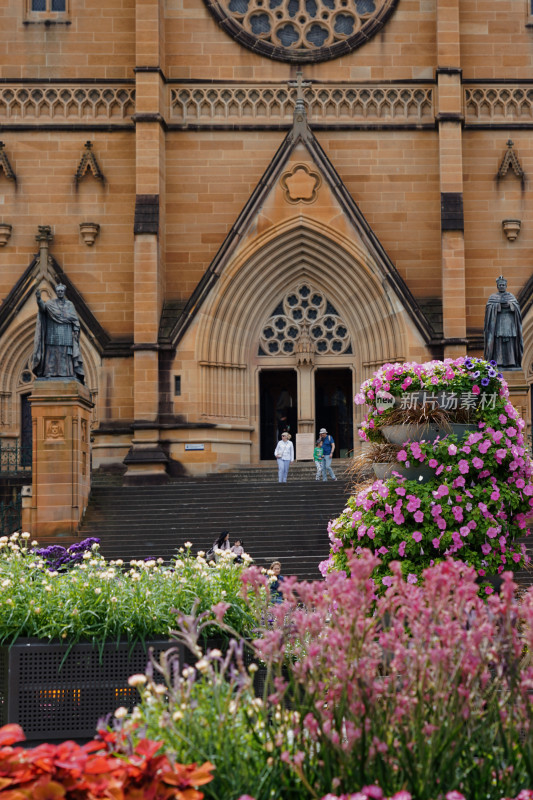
x,y
421,473
462,430
56,697
399,434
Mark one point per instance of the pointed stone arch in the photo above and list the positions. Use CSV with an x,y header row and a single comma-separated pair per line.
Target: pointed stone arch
x,y
248,290
229,324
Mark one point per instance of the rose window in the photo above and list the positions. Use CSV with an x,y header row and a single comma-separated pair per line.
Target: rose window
x,y
301,30
305,314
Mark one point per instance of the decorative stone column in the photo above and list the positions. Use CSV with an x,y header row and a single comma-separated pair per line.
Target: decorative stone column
x,y
450,121
305,356
61,469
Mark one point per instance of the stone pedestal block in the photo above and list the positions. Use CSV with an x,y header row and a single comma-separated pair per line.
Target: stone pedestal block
x,y
61,411
146,460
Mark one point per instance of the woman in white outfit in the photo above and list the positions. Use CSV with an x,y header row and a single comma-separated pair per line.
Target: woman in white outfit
x,y
284,452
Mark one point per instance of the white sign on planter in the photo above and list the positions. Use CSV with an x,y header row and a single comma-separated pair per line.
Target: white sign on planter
x,y
384,400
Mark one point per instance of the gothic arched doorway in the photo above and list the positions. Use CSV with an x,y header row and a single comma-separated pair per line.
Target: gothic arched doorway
x,y
334,407
278,408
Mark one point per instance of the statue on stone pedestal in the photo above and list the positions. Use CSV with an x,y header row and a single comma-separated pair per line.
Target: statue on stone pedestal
x,y
56,351
503,328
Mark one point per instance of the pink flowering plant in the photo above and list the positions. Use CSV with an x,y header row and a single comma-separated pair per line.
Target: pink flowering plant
x,y
463,379
422,692
474,505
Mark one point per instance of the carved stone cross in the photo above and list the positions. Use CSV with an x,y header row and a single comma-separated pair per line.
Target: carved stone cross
x,y
299,84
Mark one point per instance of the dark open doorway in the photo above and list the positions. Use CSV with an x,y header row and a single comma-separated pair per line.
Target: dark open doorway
x,y
334,407
25,431
278,408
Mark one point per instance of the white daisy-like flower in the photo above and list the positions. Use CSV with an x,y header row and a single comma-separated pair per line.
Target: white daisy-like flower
x,y
137,680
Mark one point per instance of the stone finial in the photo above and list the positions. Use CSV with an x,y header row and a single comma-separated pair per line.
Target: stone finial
x,y
44,237
510,161
300,113
88,163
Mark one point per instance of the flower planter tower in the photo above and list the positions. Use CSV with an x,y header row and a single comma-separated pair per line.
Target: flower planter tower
x,y
464,491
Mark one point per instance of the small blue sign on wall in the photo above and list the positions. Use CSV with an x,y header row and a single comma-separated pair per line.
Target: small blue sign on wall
x,y
194,447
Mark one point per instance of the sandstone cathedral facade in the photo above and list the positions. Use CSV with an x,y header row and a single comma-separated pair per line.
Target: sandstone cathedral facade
x,y
253,204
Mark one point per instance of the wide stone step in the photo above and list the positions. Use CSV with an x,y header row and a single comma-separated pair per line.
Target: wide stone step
x,y
286,522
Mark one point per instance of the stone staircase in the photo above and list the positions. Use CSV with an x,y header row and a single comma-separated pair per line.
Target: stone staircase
x,y
287,522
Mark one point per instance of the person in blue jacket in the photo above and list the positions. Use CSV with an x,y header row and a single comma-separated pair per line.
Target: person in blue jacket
x,y
327,443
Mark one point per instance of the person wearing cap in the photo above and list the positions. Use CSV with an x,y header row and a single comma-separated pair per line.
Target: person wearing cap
x,y
284,453
327,443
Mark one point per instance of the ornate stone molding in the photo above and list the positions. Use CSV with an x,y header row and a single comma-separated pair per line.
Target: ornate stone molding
x,y
275,104
510,162
301,184
66,103
493,104
223,392
89,164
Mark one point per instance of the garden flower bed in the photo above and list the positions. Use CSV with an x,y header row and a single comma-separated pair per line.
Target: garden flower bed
x,y
97,601
75,627
422,692
479,494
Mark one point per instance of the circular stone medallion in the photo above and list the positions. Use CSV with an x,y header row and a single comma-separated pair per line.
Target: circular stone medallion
x,y
301,30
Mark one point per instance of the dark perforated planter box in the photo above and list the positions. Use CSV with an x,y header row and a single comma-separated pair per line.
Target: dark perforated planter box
x,y
55,700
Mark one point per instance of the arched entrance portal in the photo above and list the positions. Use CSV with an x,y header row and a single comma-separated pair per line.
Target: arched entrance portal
x,y
305,303
305,329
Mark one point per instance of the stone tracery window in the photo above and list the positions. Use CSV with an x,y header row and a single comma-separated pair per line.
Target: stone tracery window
x,y
301,30
305,313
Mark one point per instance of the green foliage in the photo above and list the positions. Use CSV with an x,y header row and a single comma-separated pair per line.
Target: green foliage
x,y
99,601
